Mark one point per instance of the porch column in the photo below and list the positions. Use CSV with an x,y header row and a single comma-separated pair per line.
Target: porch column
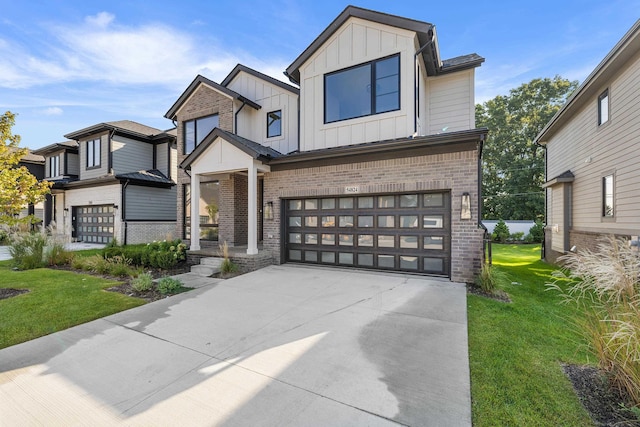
x,y
252,233
195,211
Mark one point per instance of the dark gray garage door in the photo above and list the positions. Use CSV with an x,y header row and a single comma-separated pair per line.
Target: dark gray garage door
x,y
400,232
93,224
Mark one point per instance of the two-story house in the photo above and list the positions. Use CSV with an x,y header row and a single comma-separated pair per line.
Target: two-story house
x,y
592,144
113,180
35,165
370,161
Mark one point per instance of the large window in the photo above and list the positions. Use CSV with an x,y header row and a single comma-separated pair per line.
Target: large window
x,y
196,130
54,166
274,123
93,153
603,108
208,215
363,90
607,196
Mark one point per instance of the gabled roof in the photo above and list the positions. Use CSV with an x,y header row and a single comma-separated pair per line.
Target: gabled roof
x,y
238,68
424,30
203,80
627,47
253,149
30,157
123,127
71,146
149,177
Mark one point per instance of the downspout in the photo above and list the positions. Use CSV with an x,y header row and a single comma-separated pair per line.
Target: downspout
x,y
110,154
235,120
123,209
415,81
486,238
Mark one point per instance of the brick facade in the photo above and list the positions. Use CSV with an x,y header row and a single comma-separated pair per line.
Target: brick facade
x,y
145,232
204,102
455,172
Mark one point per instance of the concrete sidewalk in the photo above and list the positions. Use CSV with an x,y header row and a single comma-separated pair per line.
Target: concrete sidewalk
x,y
285,345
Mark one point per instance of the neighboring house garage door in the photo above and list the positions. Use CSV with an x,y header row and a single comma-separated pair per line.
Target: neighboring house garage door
x,y
94,224
400,232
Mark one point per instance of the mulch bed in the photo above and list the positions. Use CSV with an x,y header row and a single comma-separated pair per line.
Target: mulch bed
x,y
498,295
603,403
9,292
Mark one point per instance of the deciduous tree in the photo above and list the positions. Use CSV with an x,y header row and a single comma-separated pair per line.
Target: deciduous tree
x,y
513,167
18,187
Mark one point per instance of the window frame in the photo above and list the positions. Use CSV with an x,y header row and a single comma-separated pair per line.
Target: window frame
x,y
606,197
268,126
195,131
54,164
604,96
373,93
95,160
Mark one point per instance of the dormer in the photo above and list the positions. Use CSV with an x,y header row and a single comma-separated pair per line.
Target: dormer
x,y
60,161
275,125
371,76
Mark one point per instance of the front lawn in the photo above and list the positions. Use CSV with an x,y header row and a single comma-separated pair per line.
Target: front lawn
x,y
56,300
516,349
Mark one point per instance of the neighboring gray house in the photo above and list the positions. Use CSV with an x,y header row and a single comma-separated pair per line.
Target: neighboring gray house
x,y
593,148
35,165
113,180
370,161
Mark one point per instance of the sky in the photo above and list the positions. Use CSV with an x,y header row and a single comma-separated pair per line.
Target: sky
x,y
67,65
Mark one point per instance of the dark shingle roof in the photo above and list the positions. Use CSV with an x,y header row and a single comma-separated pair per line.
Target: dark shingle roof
x,y
58,146
461,62
238,68
125,127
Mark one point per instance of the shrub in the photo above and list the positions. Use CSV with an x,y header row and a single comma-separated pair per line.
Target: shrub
x,y
501,232
27,250
537,232
490,279
517,236
56,254
604,285
168,285
142,283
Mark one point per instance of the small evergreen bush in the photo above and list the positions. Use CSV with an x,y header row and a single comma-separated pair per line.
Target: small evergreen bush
x,y
501,232
517,236
537,232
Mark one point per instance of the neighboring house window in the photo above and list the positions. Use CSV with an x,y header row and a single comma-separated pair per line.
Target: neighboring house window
x,y
363,90
54,166
607,196
196,130
603,108
274,123
93,153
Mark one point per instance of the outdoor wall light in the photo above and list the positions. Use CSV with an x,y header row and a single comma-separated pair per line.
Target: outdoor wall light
x,y
268,210
465,209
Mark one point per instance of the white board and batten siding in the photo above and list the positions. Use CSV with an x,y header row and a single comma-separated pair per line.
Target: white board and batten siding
x,y
252,124
356,42
130,155
592,152
150,204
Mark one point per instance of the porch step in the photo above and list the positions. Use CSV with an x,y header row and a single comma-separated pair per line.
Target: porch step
x,y
207,267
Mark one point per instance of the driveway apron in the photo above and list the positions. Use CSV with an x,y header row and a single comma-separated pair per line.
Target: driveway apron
x,y
283,346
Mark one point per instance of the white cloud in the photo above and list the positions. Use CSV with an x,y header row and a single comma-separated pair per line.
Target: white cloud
x,y
101,20
52,111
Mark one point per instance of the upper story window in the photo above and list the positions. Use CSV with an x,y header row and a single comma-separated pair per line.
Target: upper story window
x,y
93,153
54,166
607,196
196,130
274,123
363,90
603,108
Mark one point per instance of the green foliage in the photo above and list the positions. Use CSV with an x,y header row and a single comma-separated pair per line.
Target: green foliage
x,y
603,284
18,187
517,236
168,285
142,283
500,232
56,254
228,266
118,265
490,279
27,250
513,167
163,255
537,232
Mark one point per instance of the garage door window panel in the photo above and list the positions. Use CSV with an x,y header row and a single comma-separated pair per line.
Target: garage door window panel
x,y
329,239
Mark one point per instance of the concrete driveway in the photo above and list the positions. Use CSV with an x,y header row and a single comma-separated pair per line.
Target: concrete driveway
x,y
283,346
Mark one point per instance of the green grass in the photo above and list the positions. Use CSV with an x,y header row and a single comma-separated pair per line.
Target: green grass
x,y
516,349
56,300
